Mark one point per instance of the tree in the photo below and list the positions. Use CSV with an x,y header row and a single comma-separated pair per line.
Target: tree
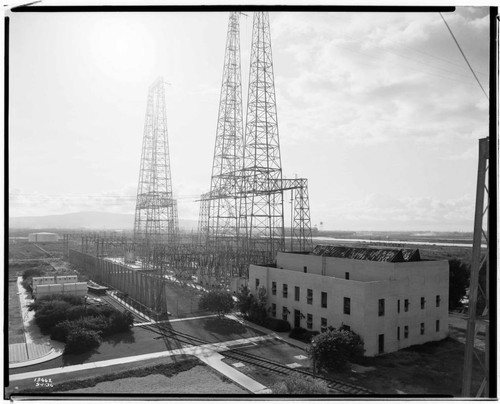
x,y
245,300
217,301
459,281
295,384
258,310
333,348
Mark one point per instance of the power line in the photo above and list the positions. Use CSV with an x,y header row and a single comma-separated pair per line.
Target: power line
x,y
463,54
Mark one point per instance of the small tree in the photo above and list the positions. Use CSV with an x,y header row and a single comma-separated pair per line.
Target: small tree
x,y
295,384
459,280
217,301
333,348
245,300
258,310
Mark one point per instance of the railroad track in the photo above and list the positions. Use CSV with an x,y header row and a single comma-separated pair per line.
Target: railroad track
x,y
117,305
237,354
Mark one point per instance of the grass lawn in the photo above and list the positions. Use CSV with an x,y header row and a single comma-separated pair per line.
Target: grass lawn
x,y
213,329
156,376
434,368
16,330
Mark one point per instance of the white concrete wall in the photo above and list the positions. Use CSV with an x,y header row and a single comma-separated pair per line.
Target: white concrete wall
x,y
42,280
66,279
409,280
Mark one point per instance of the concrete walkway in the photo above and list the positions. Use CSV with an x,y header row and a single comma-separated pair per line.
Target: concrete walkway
x,y
38,347
207,353
283,336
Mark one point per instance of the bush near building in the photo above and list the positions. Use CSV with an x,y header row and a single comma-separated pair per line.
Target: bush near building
x,y
332,349
62,316
28,275
295,384
302,334
253,307
218,301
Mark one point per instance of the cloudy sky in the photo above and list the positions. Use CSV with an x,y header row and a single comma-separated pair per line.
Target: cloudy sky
x,y
378,110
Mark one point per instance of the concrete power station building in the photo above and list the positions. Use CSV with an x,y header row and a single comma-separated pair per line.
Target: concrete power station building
x,y
390,297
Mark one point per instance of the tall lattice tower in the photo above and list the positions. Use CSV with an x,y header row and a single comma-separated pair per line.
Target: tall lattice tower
x,y
261,209
156,222
228,152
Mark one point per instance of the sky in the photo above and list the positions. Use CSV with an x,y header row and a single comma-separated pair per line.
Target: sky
x,y
378,110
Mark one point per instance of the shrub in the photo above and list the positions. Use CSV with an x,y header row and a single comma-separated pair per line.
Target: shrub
x,y
32,272
295,384
49,314
245,300
120,322
277,324
333,348
302,334
61,330
217,301
81,340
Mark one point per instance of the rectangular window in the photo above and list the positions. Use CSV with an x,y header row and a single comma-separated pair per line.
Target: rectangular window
x,y
309,296
285,290
347,305
422,303
257,282
398,332
309,321
381,307
284,314
324,298
347,275
297,293
399,306
305,270
422,328
407,304
406,331
273,288
437,325
273,309
438,300
323,324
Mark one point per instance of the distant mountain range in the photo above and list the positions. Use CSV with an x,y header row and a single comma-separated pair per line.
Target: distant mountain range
x,y
84,220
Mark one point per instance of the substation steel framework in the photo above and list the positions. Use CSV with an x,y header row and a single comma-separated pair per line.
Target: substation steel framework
x,y
479,321
156,219
243,211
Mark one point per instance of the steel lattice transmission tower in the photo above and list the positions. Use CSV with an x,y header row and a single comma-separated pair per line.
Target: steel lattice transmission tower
x,y
227,163
156,222
479,321
261,211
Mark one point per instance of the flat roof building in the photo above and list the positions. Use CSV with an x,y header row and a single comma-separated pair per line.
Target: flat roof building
x,y
390,297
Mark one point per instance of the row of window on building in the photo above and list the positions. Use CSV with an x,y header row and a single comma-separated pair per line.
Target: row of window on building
x,y
324,323
347,300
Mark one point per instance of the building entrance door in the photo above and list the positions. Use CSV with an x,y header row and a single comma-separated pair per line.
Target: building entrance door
x,y
296,322
381,344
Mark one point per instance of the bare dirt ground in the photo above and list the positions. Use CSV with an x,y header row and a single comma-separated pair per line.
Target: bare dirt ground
x,y
198,380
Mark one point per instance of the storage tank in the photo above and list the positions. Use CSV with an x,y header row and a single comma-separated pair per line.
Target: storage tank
x,y
43,237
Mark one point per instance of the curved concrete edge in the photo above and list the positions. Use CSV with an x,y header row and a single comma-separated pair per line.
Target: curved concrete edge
x,y
55,352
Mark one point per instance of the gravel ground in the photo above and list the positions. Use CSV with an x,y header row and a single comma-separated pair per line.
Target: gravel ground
x,y
198,380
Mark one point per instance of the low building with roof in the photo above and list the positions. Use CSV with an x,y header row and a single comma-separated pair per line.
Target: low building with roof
x,y
390,297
